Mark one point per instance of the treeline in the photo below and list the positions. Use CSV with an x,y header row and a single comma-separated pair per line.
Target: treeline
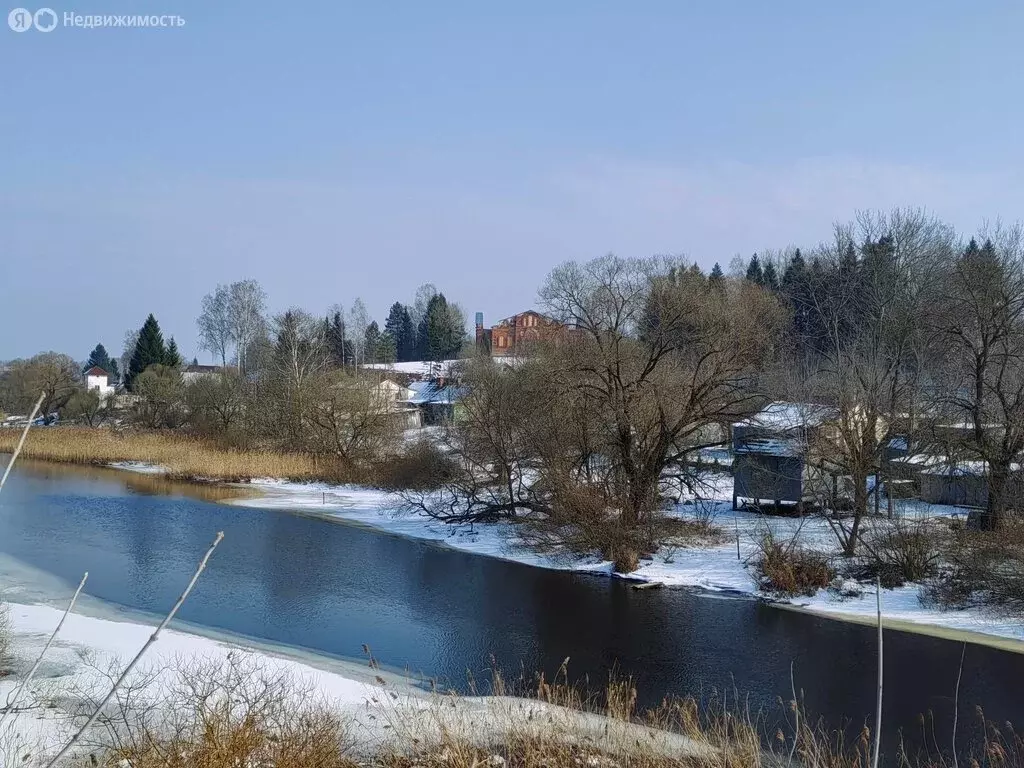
x,y
899,326
289,382
233,322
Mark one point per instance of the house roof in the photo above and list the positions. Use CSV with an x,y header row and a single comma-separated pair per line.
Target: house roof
x,y
97,371
202,369
511,318
771,447
430,392
782,416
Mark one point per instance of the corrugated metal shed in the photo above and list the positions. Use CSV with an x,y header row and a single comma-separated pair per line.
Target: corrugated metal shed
x,y
433,393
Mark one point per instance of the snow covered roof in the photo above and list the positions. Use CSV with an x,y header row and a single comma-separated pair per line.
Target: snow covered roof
x,y
433,393
771,447
416,367
782,416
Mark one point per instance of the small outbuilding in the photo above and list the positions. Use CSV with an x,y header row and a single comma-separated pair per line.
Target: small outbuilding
x,y
774,460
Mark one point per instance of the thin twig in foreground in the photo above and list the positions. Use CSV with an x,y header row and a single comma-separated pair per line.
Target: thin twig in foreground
x,y
21,442
956,701
878,710
24,683
139,655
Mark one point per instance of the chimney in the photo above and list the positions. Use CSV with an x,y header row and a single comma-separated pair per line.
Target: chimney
x,y
479,320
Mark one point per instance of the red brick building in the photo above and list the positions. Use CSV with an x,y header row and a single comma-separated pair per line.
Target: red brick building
x,y
513,334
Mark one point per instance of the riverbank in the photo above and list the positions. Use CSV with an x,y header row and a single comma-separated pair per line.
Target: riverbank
x,y
377,717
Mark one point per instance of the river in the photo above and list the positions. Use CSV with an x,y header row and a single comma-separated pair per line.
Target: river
x,y
331,588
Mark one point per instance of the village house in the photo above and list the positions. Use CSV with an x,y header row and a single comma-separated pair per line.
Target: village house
x,y
437,401
513,335
193,373
774,460
396,397
98,380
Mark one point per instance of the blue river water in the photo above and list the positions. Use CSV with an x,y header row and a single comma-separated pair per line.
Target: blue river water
x,y
333,588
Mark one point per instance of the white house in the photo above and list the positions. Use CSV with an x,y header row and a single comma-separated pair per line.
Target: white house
x,y
193,373
99,380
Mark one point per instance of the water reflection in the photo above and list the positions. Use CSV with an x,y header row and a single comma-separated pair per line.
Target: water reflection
x,y
141,483
332,588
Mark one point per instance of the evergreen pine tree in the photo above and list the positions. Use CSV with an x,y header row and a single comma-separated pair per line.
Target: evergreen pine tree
x,y
371,341
334,332
400,328
770,277
442,332
754,273
99,358
172,357
195,361
149,350
387,349
717,278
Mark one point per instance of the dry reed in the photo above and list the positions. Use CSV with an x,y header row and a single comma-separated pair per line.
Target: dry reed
x,y
182,456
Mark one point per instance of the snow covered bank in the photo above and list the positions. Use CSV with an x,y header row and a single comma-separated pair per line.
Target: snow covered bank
x,y
719,568
380,713
79,666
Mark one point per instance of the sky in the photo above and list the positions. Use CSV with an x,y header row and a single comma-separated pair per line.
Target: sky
x,y
334,149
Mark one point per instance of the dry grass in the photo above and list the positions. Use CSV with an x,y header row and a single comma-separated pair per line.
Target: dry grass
x,y
786,568
183,456
238,713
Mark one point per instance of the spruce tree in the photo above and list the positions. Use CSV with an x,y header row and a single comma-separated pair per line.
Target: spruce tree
x,y
337,344
754,273
387,349
716,272
99,358
172,357
400,328
149,350
371,342
770,278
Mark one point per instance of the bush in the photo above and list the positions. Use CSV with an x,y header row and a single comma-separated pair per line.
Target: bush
x,y
239,713
423,467
984,569
902,552
787,569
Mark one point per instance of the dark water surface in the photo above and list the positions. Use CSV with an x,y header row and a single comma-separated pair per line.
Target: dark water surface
x,y
331,588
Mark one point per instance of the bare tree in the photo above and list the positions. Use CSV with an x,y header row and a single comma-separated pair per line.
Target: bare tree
x,y
581,435
358,320
216,331
55,375
128,344
980,349
300,356
353,418
245,310
867,306
217,404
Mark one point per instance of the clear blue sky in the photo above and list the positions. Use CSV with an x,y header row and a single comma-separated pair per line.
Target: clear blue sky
x,y
336,149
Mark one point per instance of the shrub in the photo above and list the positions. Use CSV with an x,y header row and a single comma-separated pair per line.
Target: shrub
x,y
786,568
239,713
900,552
984,569
422,467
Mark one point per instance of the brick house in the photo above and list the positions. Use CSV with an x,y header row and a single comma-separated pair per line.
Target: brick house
x,y
512,335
